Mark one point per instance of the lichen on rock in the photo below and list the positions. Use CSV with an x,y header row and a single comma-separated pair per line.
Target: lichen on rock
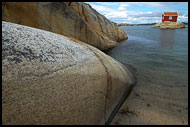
x,y
48,78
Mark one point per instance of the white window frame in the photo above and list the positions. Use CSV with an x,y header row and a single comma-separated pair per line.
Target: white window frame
x,y
170,17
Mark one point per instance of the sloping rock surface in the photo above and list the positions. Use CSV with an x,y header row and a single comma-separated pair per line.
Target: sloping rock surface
x,y
77,20
48,78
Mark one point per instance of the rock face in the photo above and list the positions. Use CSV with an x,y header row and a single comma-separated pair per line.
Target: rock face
x,y
48,78
99,23
170,25
77,20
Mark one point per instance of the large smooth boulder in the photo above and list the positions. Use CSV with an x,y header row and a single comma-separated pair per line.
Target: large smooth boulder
x,y
77,20
169,25
48,78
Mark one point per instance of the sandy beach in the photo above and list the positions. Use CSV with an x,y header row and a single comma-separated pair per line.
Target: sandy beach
x,y
154,104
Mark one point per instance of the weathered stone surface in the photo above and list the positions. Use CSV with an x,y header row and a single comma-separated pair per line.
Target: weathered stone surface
x,y
48,78
170,25
78,21
99,23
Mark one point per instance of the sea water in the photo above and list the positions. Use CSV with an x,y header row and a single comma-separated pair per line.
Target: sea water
x,y
158,59
162,54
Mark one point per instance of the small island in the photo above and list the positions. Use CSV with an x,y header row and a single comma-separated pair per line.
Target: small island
x,y
169,21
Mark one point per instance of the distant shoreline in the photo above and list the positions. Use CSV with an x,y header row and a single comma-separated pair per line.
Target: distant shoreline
x,y
126,24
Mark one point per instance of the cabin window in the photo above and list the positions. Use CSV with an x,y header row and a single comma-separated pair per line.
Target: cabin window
x,y
170,17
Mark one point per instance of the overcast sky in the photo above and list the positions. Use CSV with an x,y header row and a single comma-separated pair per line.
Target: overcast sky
x,y
140,12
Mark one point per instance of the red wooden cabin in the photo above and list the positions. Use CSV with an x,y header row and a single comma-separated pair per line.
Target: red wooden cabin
x,y
169,16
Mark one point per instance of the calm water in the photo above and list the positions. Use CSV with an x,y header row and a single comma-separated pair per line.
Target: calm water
x,y
157,56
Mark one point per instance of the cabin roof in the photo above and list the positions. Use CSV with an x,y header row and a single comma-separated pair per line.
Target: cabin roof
x,y
170,14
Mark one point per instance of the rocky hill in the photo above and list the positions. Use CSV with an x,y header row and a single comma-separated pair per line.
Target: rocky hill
x,y
72,19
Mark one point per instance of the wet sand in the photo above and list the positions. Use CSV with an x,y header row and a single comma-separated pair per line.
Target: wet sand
x,y
155,103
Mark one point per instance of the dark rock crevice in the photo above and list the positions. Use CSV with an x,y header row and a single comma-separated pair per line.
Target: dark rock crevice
x,y
109,82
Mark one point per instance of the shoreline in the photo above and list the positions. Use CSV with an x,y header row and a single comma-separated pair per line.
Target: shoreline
x,y
141,109
150,101
152,104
